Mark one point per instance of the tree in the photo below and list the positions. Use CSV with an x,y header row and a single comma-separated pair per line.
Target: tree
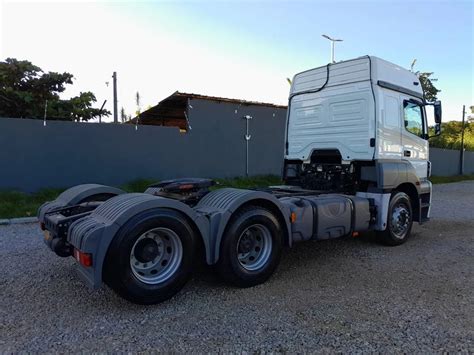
x,y
450,137
26,92
427,85
138,102
138,111
123,116
429,89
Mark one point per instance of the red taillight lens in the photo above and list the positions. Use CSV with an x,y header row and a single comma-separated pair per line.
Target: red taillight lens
x,y
186,187
42,226
84,258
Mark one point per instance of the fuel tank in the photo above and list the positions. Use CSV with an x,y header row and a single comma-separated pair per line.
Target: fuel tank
x,y
327,216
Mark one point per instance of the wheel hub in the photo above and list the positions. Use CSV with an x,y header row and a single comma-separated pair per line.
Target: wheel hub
x,y
146,250
156,255
400,221
246,243
254,247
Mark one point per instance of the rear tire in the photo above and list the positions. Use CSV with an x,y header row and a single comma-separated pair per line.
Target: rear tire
x,y
251,249
151,257
399,220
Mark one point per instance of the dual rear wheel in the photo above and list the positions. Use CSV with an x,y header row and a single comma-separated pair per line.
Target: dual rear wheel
x,y
152,256
251,249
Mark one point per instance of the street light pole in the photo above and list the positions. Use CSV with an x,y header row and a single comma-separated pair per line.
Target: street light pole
x,y
333,59
332,52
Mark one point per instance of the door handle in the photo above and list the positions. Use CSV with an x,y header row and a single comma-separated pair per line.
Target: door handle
x,y
407,153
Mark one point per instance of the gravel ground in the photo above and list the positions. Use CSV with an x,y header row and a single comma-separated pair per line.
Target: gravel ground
x,y
348,295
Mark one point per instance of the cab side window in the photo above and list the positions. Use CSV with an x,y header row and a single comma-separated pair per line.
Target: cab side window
x,y
413,116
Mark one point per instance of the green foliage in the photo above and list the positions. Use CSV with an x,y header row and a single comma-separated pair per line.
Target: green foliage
x,y
450,137
19,204
25,92
429,89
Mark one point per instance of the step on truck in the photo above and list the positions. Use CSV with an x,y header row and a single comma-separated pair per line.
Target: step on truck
x,y
355,160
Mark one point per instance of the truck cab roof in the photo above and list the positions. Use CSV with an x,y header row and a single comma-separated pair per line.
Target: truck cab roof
x,y
364,68
350,107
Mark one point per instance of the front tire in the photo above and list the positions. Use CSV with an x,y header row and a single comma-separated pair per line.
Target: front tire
x,y
399,220
251,249
151,257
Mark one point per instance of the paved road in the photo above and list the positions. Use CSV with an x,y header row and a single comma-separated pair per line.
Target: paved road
x,y
342,295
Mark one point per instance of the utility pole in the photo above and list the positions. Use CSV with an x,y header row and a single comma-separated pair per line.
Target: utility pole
x,y
333,60
461,163
114,76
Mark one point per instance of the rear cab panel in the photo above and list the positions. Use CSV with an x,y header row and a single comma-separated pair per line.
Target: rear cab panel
x,y
340,116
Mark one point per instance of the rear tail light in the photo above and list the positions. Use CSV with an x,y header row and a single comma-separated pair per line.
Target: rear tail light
x,y
42,226
186,187
85,259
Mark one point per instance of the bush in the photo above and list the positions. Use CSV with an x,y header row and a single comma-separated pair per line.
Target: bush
x,y
450,137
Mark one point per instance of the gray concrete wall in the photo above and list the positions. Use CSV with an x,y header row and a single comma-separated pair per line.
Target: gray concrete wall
x,y
445,162
468,162
64,154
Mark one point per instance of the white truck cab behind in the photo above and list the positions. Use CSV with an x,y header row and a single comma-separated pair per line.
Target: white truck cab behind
x,y
358,125
368,109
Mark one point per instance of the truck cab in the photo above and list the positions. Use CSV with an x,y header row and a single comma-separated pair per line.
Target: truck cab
x,y
360,126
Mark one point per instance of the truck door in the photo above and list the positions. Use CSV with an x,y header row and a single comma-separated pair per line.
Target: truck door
x,y
414,133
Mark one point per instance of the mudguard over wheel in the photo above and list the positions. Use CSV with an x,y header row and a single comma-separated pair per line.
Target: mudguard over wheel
x,y
79,194
399,220
251,248
151,257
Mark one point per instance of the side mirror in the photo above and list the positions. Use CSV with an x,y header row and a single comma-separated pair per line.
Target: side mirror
x,y
437,131
437,112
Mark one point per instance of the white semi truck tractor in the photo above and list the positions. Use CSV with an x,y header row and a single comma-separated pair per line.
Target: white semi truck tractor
x,y
355,160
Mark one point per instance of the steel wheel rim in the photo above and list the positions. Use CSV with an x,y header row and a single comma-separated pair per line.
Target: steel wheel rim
x,y
400,220
254,247
169,254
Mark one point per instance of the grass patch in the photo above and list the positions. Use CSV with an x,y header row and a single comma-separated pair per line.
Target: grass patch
x,y
448,179
249,183
20,204
137,185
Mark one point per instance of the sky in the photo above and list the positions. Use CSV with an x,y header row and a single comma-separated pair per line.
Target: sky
x,y
236,49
